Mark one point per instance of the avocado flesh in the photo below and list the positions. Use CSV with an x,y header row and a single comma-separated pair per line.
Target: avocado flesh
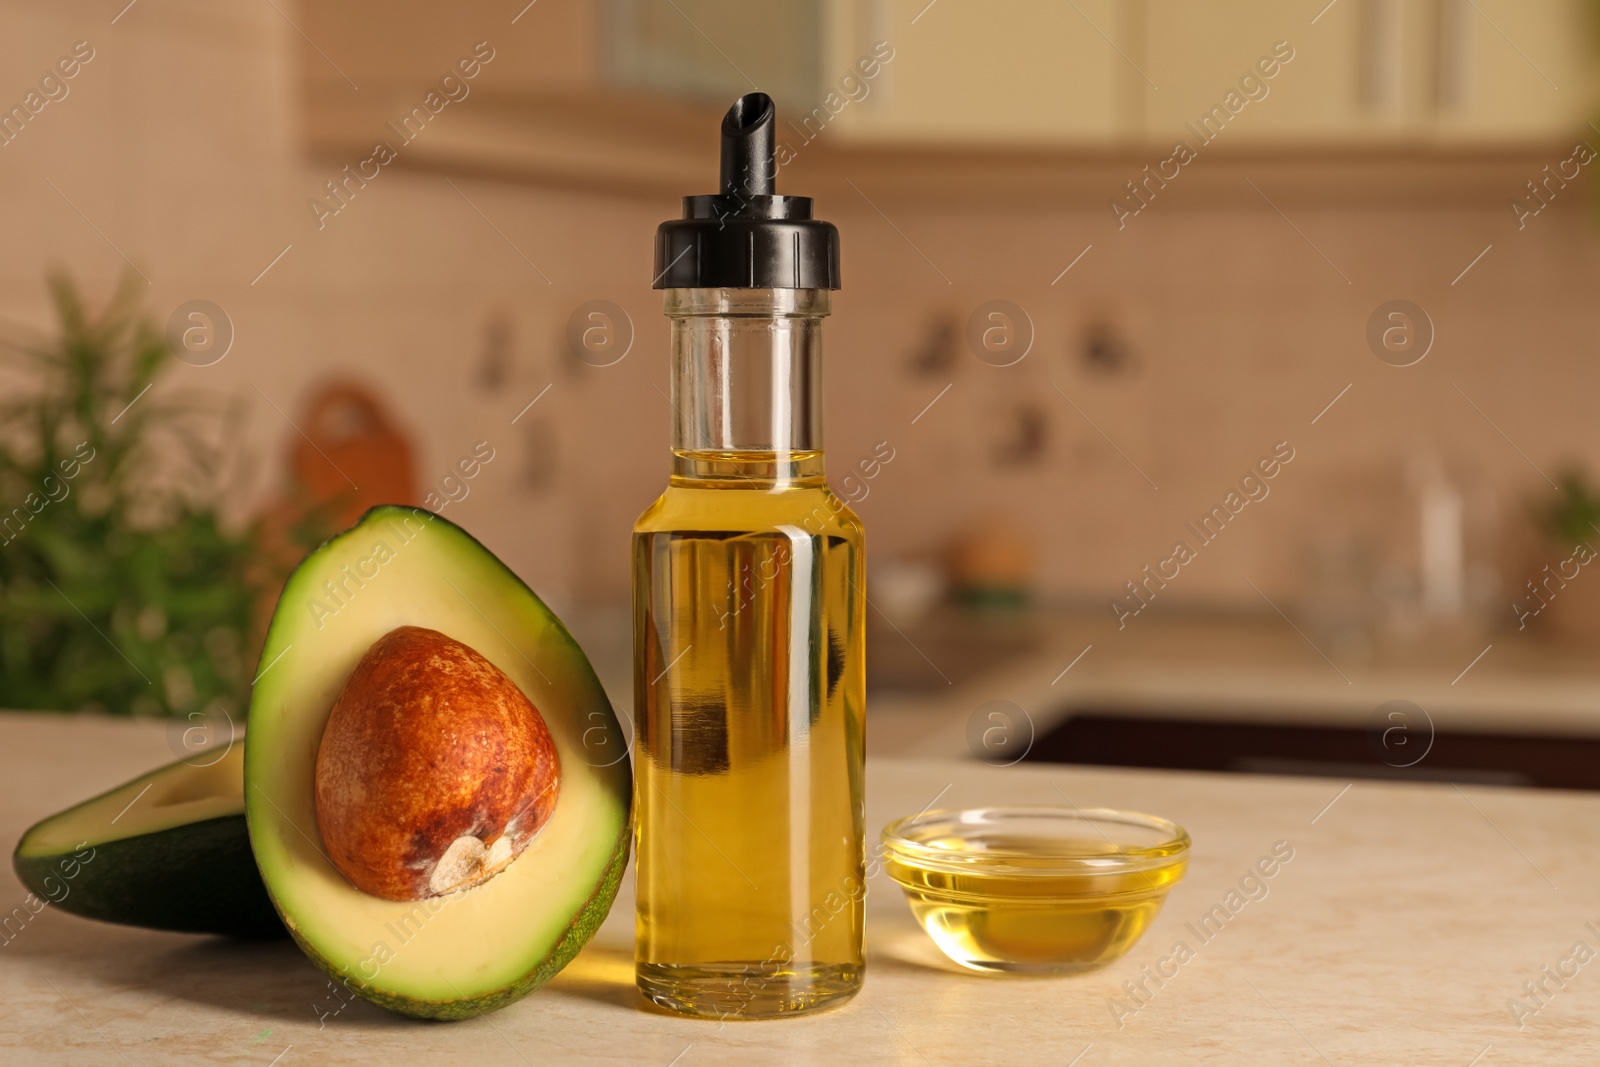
x,y
468,952
168,850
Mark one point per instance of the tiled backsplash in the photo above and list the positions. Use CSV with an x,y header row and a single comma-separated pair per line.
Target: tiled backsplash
x,y
1216,329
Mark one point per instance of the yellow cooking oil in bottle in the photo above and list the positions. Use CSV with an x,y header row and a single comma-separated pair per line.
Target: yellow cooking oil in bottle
x,y
749,685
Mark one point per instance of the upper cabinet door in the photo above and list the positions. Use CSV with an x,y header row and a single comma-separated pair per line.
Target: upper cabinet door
x,y
1401,73
1515,70
995,72
1254,71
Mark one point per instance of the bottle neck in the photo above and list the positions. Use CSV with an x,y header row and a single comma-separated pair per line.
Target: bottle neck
x,y
747,387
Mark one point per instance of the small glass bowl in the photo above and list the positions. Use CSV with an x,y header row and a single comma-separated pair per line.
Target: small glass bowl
x,y
1042,890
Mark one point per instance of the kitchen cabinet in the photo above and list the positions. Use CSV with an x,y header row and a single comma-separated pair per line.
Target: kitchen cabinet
x,y
1370,72
1253,71
1024,101
1516,70
1001,71
901,71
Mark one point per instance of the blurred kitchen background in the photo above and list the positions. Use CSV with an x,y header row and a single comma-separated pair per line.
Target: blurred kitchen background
x,y
1105,262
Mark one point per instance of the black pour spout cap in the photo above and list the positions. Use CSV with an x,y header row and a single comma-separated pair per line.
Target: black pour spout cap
x,y
746,236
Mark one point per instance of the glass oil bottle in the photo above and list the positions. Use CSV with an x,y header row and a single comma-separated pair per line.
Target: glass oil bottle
x,y
749,684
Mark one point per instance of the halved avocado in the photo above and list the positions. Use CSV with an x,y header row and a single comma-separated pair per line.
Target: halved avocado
x,y
168,850
477,949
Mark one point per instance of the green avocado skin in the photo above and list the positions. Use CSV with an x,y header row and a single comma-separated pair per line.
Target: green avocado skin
x,y
578,933
194,879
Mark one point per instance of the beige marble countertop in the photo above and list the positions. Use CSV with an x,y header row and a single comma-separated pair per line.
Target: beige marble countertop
x,y
1408,918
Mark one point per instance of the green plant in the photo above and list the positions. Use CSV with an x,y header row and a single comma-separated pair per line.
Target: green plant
x,y
1572,514
121,589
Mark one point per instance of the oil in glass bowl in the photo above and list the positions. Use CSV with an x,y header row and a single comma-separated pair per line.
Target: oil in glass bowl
x,y
1036,890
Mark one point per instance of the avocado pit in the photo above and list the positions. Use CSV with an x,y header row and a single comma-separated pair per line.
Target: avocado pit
x,y
434,771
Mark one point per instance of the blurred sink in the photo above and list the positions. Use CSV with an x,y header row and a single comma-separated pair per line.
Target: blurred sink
x,y
1125,738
